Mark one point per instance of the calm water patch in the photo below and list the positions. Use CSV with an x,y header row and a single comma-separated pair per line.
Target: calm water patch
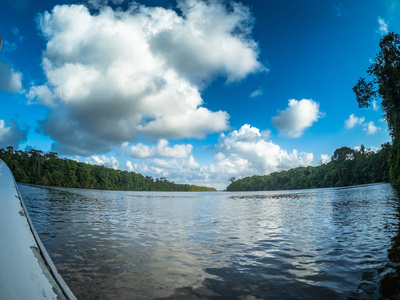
x,y
336,243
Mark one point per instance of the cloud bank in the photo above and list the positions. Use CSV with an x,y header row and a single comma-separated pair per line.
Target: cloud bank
x,y
246,152
118,74
240,153
297,117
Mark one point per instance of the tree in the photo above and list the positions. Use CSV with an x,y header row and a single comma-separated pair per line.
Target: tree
x,y
342,154
385,84
232,179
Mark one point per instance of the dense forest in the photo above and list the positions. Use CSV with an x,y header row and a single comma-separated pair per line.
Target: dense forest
x,y
347,167
36,167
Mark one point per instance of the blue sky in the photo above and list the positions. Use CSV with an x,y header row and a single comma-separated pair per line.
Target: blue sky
x,y
197,92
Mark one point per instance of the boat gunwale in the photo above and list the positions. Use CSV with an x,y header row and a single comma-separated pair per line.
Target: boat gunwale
x,y
42,250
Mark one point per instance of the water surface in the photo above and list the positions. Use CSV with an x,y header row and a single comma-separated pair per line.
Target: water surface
x,y
335,243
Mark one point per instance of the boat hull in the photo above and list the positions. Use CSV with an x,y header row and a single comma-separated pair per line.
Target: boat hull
x,y
26,270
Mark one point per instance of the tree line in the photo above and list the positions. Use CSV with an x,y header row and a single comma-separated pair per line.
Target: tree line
x,y
36,167
347,167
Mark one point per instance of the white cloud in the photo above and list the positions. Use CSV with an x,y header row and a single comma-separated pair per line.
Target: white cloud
x,y
160,150
370,128
240,153
297,117
324,159
117,74
11,135
246,152
375,105
352,121
258,92
129,166
372,148
383,26
180,170
191,163
43,94
10,80
103,160
209,40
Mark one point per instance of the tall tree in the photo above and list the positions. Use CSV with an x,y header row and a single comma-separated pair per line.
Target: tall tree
x,y
385,85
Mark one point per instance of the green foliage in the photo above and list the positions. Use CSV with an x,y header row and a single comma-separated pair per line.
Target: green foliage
x,y
36,167
348,167
395,165
385,84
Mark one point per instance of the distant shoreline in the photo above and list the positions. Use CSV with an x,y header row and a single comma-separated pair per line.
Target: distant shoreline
x,y
47,169
348,167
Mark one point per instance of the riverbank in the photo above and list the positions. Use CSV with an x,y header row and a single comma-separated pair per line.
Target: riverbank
x,y
48,169
348,167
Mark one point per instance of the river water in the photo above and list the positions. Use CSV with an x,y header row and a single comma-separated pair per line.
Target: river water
x,y
335,243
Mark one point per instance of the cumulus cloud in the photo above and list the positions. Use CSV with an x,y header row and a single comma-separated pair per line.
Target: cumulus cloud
x,y
176,162
103,160
41,92
246,152
10,80
370,128
117,74
160,150
11,135
297,117
209,40
180,170
353,121
324,159
129,166
240,153
383,26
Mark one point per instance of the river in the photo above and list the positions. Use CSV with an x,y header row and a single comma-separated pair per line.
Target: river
x,y
335,243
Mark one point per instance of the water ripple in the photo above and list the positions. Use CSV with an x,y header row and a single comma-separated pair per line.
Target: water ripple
x,y
335,243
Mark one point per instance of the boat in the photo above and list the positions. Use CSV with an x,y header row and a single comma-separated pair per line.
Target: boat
x,y
26,269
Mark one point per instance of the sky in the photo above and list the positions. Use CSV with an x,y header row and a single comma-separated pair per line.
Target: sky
x,y
194,91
